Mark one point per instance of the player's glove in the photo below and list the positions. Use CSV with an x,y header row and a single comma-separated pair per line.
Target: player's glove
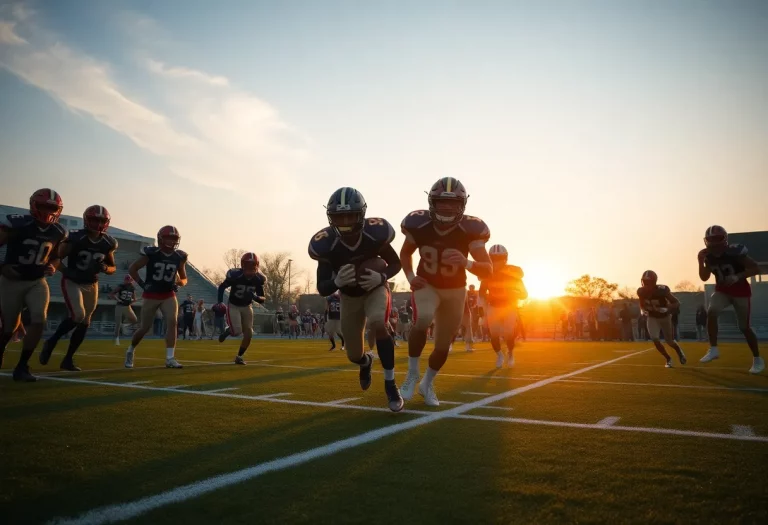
x,y
175,288
346,276
257,298
371,280
730,280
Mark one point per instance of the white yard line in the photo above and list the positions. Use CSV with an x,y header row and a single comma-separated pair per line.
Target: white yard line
x,y
342,401
668,385
279,394
443,402
608,421
142,506
477,393
223,389
742,430
177,387
137,382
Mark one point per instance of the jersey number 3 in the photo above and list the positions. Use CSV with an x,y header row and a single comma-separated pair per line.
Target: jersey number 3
x,y
38,252
164,272
431,258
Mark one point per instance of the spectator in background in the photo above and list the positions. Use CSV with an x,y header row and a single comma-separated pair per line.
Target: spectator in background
x,y
564,324
592,323
199,325
701,323
280,321
675,319
626,323
642,327
572,324
603,322
578,319
187,309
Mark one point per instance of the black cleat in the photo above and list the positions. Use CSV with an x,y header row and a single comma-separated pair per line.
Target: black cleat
x,y
239,360
45,353
223,335
331,349
69,365
365,373
22,374
393,396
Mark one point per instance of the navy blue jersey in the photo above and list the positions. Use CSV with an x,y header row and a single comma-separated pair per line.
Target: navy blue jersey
x,y
730,262
85,256
418,228
243,289
326,246
30,246
125,294
654,300
187,308
162,271
334,307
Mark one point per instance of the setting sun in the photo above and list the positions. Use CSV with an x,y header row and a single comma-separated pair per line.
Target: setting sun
x,y
544,282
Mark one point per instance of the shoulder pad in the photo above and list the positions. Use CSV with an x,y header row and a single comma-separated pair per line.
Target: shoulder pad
x,y
148,250
321,243
233,273
515,271
640,292
111,241
475,227
662,288
15,221
62,229
379,229
415,220
736,250
262,278
182,254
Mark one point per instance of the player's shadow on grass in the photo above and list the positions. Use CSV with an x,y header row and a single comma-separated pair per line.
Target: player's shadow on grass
x,y
712,377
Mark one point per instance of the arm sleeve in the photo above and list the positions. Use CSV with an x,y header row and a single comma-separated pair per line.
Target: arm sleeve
x,y
325,284
392,259
223,286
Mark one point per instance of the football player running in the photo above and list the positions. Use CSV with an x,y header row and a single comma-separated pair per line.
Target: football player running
x,y
124,296
333,319
444,237
732,267
658,302
31,255
88,252
166,271
246,287
350,240
499,296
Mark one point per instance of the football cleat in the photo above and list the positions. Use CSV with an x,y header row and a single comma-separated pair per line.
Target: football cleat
x,y
223,335
68,364
669,364
681,356
394,398
409,385
758,365
128,359
23,375
365,373
510,360
117,341
712,354
427,391
172,363
499,360
45,353
239,360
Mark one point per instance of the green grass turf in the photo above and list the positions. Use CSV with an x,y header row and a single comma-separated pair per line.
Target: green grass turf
x,y
69,447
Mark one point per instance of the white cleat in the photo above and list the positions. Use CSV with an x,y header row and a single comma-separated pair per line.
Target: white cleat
x,y
117,341
510,361
711,355
450,348
408,388
172,363
499,360
669,364
128,359
427,391
758,365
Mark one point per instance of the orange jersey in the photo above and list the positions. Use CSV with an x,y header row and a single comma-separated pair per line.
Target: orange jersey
x,y
505,287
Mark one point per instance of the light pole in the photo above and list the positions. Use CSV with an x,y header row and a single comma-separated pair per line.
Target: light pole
x,y
289,277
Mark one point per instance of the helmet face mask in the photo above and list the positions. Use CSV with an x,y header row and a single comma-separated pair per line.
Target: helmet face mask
x,y
45,206
498,255
347,223
447,200
346,212
249,263
649,278
96,219
168,238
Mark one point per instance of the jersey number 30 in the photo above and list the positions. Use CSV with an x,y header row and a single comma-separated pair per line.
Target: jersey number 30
x,y
38,252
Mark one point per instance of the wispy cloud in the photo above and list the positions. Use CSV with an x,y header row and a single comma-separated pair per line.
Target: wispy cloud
x,y
208,131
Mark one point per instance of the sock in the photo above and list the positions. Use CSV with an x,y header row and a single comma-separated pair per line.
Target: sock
x,y
342,340
333,342
389,375
24,357
77,338
241,351
364,361
413,364
496,344
386,348
64,327
131,349
713,347
429,375
661,349
169,353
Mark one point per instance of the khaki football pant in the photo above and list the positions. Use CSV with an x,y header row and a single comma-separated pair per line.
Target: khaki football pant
x,y
444,306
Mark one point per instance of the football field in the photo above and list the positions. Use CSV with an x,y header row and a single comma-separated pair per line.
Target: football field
x,y
575,432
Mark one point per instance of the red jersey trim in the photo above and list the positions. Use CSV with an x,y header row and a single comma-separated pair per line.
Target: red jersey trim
x,y
158,296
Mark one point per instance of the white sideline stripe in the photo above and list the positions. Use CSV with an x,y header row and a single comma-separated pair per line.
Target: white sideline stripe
x,y
697,366
223,389
342,401
537,375
477,393
648,430
139,383
495,408
608,421
172,387
694,387
451,402
743,430
132,509
279,394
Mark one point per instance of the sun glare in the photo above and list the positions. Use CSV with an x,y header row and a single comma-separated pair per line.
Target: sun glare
x,y
544,282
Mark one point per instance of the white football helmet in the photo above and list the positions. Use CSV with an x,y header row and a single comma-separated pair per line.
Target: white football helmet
x,y
498,254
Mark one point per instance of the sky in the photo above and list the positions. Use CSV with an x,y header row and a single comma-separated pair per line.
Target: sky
x,y
594,137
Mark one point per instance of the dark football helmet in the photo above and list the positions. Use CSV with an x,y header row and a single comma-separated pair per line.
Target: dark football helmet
x,y
96,219
649,278
46,206
168,238
447,200
346,211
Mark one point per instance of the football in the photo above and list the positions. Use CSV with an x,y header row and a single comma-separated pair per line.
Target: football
x,y
376,264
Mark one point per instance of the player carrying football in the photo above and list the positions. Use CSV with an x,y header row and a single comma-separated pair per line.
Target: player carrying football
x,y
350,240
88,252
246,286
658,302
31,255
444,237
124,296
500,295
165,270
732,267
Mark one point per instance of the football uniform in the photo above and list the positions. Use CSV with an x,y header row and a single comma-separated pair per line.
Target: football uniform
x,y
160,284
29,250
445,292
730,262
243,291
187,308
124,297
79,283
357,305
504,289
333,325
653,299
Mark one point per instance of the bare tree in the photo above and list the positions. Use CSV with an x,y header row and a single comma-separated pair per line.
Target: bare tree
x,y
309,283
687,286
232,257
215,275
627,293
274,266
592,287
